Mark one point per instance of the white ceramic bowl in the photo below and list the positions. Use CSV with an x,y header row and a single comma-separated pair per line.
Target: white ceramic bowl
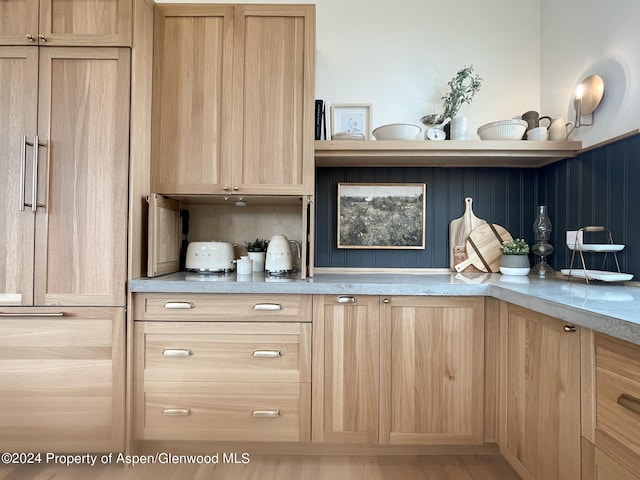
x,y
397,131
503,130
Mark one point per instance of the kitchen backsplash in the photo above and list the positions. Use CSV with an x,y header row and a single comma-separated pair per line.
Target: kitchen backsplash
x,y
593,189
597,188
506,196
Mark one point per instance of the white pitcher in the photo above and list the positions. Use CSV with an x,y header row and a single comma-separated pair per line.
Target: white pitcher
x,y
559,129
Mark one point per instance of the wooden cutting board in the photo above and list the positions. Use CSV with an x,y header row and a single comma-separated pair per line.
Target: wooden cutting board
x,y
460,228
483,248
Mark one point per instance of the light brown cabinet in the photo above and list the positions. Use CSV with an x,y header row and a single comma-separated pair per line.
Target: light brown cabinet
x,y
66,22
223,367
614,408
63,193
420,383
346,375
62,379
431,370
64,131
233,99
540,413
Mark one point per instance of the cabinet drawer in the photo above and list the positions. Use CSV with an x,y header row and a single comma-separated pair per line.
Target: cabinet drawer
x,y
223,307
224,411
606,468
618,399
223,352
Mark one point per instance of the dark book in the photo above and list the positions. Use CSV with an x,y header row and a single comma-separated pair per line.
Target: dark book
x,y
318,120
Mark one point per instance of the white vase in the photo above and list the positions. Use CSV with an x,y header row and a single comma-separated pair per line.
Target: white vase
x,y
258,260
514,264
459,128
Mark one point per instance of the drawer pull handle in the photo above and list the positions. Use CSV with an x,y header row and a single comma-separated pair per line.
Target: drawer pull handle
x,y
267,353
266,413
35,315
178,305
176,412
177,352
271,307
569,329
346,299
630,402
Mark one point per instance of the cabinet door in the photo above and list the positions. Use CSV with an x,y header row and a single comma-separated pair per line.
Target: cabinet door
x,y
19,22
62,380
191,124
540,424
18,104
345,369
274,99
86,22
66,22
81,231
431,370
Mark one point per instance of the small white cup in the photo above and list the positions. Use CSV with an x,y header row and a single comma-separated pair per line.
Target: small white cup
x,y
538,134
245,266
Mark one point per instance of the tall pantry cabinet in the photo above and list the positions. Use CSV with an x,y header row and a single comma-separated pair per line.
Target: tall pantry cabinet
x,y
64,151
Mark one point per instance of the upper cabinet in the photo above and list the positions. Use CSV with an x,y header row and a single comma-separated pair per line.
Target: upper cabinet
x,y
233,99
66,22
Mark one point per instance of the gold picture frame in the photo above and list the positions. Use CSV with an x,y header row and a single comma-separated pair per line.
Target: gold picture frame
x,y
381,215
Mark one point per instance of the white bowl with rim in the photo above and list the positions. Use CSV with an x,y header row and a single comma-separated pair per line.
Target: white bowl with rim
x,y
397,131
503,130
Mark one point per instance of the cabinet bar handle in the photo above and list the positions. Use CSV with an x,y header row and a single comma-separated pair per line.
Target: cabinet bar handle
x,y
179,305
34,192
569,329
42,37
630,402
39,315
23,168
267,353
266,413
267,307
34,179
29,37
594,228
346,299
177,352
183,412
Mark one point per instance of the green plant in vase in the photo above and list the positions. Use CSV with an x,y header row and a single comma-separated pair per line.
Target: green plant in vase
x,y
462,88
257,251
515,257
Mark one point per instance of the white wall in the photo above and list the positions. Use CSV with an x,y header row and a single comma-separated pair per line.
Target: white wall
x,y
399,55
584,37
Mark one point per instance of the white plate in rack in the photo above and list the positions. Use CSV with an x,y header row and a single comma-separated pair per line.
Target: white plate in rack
x,y
596,247
601,275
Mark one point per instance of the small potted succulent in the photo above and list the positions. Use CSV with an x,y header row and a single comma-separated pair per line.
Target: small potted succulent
x,y
463,86
257,251
515,257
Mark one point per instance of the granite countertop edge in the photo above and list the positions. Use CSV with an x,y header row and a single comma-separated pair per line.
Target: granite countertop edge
x,y
613,309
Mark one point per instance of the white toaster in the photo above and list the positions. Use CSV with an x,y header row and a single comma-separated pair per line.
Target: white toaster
x,y
209,257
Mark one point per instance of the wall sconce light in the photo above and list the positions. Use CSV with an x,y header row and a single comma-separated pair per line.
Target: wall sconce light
x,y
588,96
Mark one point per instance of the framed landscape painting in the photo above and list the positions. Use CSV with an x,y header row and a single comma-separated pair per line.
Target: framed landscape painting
x,y
381,215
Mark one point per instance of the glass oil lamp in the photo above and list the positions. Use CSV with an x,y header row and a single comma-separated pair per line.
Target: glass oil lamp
x,y
542,247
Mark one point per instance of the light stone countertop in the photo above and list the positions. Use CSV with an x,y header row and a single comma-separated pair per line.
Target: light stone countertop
x,y
613,309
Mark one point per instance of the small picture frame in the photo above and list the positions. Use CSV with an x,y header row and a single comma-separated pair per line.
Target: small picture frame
x,y
351,118
381,215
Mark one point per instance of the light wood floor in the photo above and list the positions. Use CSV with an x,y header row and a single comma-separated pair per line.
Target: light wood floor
x,y
263,467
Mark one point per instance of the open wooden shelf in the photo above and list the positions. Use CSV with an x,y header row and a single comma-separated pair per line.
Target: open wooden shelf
x,y
470,153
